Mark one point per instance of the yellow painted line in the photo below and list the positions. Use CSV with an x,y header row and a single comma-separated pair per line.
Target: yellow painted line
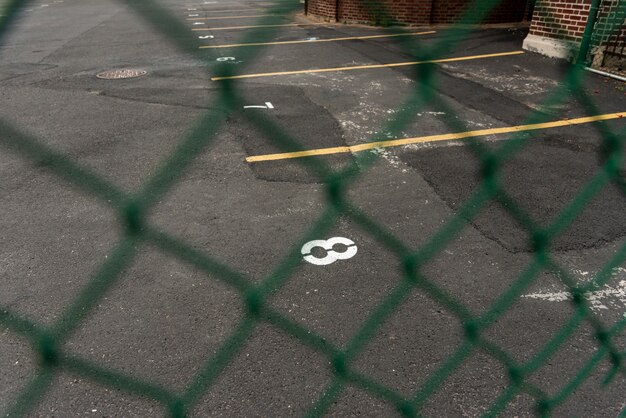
x,y
263,26
200,9
434,138
227,17
369,67
318,40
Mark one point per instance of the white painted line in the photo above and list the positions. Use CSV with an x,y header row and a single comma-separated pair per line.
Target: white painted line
x,y
331,255
198,23
268,105
206,37
221,59
194,15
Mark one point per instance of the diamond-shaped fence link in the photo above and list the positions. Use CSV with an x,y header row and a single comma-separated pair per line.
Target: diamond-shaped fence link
x,y
608,40
133,208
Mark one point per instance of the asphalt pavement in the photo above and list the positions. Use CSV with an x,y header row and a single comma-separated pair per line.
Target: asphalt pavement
x,y
247,202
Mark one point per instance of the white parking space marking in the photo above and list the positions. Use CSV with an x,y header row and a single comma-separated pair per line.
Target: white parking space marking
x,y
331,254
268,105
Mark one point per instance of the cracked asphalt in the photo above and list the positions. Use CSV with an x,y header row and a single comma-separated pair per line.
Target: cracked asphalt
x,y
164,319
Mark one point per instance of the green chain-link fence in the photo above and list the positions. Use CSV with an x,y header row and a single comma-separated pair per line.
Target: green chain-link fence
x,y
608,42
133,208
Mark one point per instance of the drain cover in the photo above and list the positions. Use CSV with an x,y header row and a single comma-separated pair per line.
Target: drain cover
x,y
119,74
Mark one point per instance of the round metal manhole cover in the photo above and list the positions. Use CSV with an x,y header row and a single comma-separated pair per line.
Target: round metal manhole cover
x,y
120,74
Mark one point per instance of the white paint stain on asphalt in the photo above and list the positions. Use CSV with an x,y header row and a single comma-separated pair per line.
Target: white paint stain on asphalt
x,y
604,298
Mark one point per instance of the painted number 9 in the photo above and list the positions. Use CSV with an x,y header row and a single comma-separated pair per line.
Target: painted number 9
x,y
331,254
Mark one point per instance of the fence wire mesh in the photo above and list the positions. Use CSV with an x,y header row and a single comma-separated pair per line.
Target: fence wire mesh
x,y
132,209
608,51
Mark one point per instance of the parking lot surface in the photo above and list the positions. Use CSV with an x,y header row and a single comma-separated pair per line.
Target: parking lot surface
x,y
249,200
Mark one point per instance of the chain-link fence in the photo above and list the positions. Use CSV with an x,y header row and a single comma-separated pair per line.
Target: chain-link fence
x,y
608,51
133,207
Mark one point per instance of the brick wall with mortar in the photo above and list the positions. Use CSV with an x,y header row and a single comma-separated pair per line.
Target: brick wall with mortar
x,y
557,26
413,11
406,11
321,8
506,12
560,19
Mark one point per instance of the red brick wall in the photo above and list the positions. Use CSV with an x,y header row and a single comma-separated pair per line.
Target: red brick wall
x,y
406,11
560,19
507,11
321,8
414,11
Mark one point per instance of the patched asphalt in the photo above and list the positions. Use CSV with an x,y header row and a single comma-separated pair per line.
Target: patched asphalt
x,y
303,123
163,320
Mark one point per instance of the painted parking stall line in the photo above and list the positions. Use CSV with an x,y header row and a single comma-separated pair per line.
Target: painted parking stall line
x,y
208,10
263,26
315,40
370,66
434,138
227,17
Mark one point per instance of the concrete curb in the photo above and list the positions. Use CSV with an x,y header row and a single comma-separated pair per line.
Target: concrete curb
x,y
553,48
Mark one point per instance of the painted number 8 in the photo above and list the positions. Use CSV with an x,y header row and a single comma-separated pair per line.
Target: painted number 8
x,y
331,255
